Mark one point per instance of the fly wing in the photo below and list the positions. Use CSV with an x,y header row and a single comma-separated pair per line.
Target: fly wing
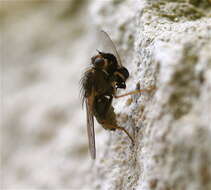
x,y
87,95
108,46
90,126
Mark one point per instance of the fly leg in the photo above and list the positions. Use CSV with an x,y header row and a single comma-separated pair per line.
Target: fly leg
x,y
113,127
136,92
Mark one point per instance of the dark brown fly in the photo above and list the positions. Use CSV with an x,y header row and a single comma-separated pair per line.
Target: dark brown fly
x,y
99,85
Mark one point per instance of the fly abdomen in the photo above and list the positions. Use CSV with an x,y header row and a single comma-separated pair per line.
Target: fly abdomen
x,y
101,106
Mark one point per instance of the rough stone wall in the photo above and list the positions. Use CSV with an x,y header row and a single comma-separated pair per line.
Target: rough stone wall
x,y
162,43
169,45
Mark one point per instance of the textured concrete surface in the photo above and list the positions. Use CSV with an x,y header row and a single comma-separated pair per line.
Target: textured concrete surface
x,y
163,43
169,44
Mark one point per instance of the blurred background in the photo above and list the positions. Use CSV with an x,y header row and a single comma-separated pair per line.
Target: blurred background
x,y
45,47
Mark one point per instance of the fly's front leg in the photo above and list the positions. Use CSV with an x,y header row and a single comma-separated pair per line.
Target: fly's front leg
x,y
136,92
106,125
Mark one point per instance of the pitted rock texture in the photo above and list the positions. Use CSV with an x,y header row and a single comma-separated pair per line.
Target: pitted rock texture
x,y
171,49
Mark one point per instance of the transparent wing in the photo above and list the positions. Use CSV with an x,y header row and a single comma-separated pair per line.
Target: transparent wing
x,y
90,129
107,46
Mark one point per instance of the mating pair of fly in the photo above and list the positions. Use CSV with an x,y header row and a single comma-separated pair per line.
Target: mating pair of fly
x,y
99,86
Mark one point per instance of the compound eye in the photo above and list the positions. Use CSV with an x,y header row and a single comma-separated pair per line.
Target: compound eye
x,y
99,62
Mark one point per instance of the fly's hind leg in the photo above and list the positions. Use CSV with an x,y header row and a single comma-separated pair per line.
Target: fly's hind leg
x,y
108,118
107,125
136,92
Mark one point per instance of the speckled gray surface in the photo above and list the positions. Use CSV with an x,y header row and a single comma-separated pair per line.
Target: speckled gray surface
x,y
163,43
172,44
